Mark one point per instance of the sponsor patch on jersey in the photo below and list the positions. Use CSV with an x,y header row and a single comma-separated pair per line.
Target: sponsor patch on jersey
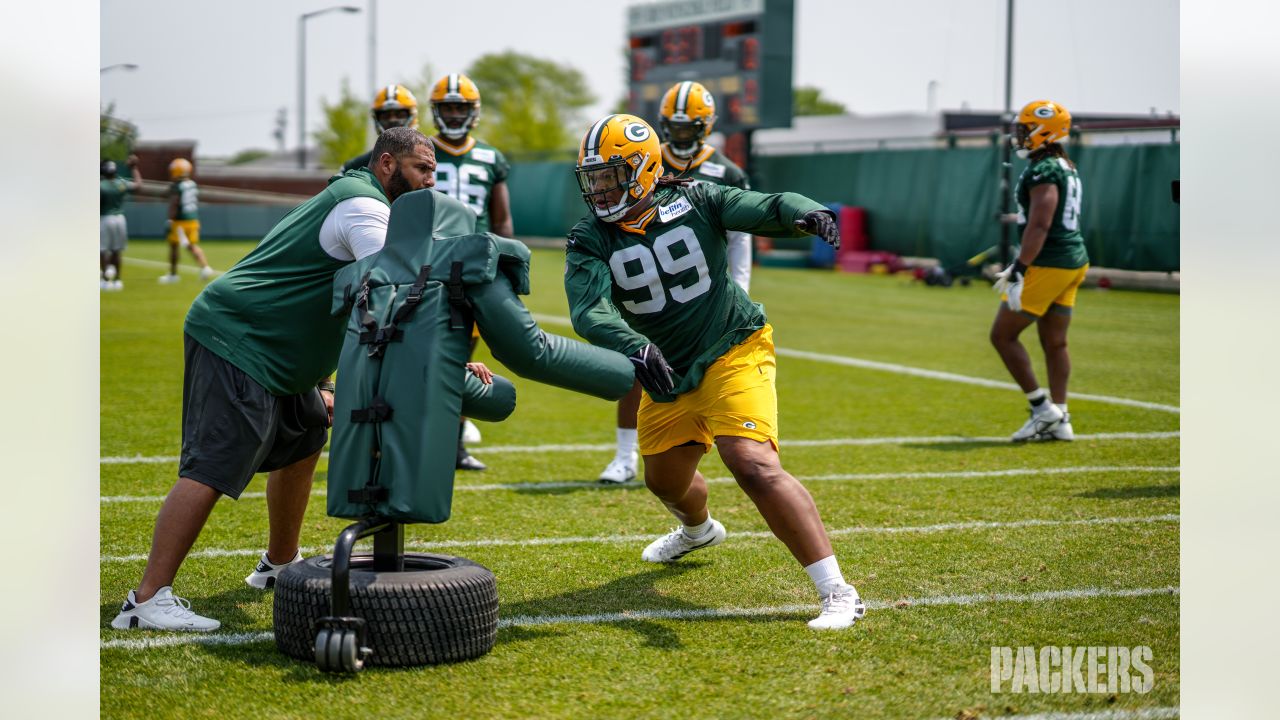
x,y
667,213
484,155
715,170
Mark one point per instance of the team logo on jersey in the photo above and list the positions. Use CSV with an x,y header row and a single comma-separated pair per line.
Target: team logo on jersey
x,y
749,425
636,132
1044,111
667,213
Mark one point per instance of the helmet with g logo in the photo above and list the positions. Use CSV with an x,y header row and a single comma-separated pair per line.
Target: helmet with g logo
x,y
619,164
688,113
1041,122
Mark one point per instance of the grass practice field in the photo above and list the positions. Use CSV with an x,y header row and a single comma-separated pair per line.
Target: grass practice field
x,y
958,540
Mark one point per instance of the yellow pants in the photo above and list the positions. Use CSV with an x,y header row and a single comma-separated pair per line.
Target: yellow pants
x,y
1045,286
180,228
736,397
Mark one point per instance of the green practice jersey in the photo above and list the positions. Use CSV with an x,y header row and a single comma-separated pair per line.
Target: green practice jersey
x,y
467,173
709,165
356,162
1064,246
664,278
111,195
188,199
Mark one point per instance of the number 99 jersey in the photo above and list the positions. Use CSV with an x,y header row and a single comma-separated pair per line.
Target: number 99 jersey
x,y
467,173
663,278
1064,246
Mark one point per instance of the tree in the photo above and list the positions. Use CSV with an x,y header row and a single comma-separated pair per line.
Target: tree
x,y
115,136
808,100
345,133
530,106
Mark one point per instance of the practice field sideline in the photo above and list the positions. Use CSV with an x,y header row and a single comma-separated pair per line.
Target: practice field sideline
x,y
894,411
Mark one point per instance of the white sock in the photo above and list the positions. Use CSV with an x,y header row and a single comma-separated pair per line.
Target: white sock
x,y
697,531
626,442
1036,397
1062,407
826,576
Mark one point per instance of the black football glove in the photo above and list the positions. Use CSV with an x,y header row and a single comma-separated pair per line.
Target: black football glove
x,y
819,222
652,370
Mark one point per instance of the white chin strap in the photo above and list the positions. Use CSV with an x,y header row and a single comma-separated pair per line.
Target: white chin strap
x,y
684,154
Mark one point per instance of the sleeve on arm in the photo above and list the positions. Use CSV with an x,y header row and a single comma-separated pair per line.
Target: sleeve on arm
x,y
760,213
587,283
355,228
501,168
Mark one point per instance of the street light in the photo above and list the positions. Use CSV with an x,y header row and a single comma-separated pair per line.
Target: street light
x,y
302,75
118,66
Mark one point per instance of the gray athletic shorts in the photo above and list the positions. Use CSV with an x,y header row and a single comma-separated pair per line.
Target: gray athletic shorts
x,y
113,235
232,427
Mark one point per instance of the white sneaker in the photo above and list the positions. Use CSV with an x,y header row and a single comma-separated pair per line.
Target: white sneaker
x,y
840,609
470,433
168,279
206,272
675,544
104,285
117,285
264,575
164,611
620,470
110,273
1061,431
1042,419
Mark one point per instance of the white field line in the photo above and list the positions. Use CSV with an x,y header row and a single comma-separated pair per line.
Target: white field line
x,y
1150,713
919,372
695,614
591,485
637,539
156,263
825,442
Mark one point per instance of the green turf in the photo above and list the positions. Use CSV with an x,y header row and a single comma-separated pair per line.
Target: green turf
x,y
1108,510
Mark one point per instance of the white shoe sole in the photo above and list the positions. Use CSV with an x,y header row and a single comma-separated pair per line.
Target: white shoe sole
x,y
717,535
137,622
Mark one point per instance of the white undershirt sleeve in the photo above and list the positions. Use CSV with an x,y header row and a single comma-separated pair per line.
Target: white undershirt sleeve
x,y
355,228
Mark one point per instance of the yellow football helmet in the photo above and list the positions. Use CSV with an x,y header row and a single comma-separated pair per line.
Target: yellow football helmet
x,y
394,99
619,164
1040,122
451,89
179,168
688,113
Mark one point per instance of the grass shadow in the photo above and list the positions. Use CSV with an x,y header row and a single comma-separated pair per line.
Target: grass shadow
x,y
962,446
572,486
1126,493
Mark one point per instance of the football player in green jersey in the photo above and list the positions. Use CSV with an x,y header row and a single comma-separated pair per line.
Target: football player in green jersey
x,y
113,233
184,220
474,173
688,112
1040,286
646,274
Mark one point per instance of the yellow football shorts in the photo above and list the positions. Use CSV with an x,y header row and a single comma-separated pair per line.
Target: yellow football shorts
x,y
1045,286
736,397
189,228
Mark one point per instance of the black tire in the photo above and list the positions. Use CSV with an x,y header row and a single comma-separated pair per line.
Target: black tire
x,y
440,609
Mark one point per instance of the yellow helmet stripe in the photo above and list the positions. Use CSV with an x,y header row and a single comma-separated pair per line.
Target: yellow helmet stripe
x,y
682,97
591,145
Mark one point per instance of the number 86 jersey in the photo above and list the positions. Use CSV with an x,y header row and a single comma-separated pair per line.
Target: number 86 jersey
x,y
663,278
467,173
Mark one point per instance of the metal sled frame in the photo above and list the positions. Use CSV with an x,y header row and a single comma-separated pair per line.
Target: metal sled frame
x,y
342,638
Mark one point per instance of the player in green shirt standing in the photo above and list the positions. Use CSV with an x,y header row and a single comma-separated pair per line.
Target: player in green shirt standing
x,y
646,274
113,233
1040,286
688,112
474,173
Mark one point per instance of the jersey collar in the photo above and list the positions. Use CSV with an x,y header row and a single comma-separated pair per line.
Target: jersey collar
x,y
639,225
678,164
455,151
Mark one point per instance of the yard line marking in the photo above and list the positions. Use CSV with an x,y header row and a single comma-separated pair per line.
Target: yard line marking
x,y
746,535
1149,713
593,485
823,442
687,614
919,372
165,265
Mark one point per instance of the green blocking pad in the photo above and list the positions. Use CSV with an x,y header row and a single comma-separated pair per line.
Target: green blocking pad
x,y
402,382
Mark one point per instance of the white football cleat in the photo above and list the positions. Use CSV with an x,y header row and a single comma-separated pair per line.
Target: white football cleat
x,y
1042,420
840,609
104,285
168,279
264,575
676,544
470,433
206,272
117,284
1061,431
164,611
622,469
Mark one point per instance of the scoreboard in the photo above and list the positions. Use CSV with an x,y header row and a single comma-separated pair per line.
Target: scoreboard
x,y
739,49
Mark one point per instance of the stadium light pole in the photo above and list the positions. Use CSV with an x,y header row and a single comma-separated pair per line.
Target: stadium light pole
x,y
1006,166
302,74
